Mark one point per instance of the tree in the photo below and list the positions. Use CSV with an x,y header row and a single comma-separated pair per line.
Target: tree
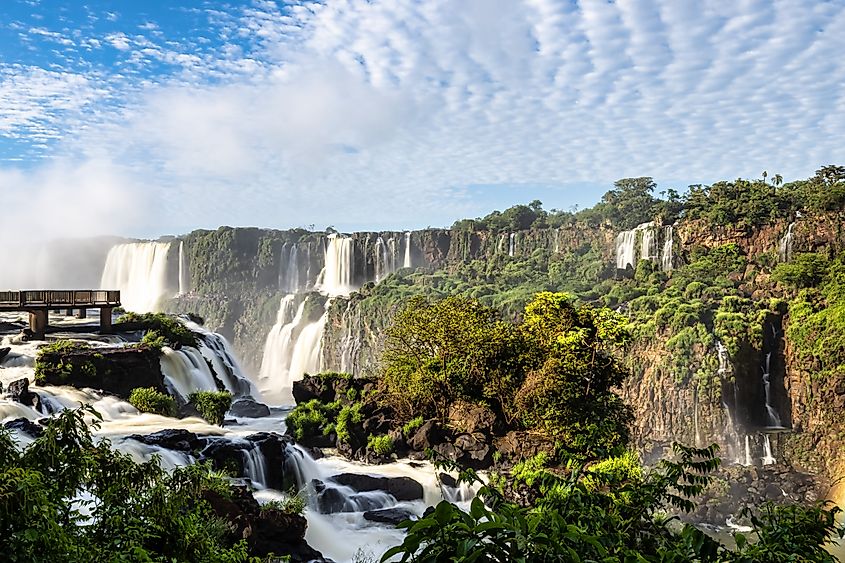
x,y
629,203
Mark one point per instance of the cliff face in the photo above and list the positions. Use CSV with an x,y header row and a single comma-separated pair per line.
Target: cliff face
x,y
699,394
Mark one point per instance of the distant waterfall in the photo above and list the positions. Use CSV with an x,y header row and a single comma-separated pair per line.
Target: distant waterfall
x,y
381,260
768,458
139,270
337,275
748,459
511,243
771,413
731,432
289,278
785,246
626,245
394,253
667,256
292,348
184,275
407,261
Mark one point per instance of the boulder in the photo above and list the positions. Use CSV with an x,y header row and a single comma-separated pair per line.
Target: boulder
x,y
426,436
18,390
518,445
469,417
401,488
249,408
26,426
4,352
177,439
391,516
225,454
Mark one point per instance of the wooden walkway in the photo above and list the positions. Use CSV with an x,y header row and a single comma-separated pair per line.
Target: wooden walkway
x,y
39,302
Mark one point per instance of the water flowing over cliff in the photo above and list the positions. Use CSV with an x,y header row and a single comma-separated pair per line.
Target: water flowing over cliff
x,y
140,271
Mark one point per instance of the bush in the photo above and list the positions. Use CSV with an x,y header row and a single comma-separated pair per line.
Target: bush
x,y
349,413
312,419
295,503
148,399
412,425
166,326
382,445
212,405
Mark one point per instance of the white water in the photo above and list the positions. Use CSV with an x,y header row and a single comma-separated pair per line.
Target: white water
x,y
337,274
289,271
407,261
771,413
511,243
381,260
731,432
626,245
785,246
748,459
768,458
140,271
695,418
292,349
648,243
185,371
667,257
393,249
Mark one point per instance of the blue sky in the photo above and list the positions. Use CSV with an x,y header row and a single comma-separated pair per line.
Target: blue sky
x,y
158,117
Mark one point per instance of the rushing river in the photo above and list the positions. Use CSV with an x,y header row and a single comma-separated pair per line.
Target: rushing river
x,y
341,536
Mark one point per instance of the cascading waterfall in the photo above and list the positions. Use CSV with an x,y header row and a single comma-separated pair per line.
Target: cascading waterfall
x,y
648,243
255,466
407,261
292,349
785,246
768,458
731,433
184,275
139,270
337,275
511,243
748,459
500,244
626,246
291,271
394,253
667,257
381,260
772,414
185,371
217,350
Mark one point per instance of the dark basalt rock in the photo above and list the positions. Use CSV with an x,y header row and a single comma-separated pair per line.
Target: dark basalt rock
x,y
249,408
18,390
3,353
172,439
26,426
391,516
225,454
471,417
402,488
265,531
331,499
426,436
280,468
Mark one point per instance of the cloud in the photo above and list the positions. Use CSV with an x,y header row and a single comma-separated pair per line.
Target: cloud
x,y
374,113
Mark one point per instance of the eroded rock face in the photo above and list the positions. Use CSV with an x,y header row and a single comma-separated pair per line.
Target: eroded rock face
x,y
402,488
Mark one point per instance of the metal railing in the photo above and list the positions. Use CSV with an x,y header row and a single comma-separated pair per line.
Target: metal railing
x,y
59,298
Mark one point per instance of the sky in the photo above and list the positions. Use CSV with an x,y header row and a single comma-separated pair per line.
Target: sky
x,y
158,117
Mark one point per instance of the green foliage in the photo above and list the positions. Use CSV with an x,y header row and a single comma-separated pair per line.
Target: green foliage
x,y
154,340
613,512
212,405
805,270
148,399
381,445
312,419
63,347
294,503
133,512
165,326
348,414
412,425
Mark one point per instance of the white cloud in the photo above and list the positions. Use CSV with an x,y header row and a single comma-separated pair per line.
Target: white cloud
x,y
371,112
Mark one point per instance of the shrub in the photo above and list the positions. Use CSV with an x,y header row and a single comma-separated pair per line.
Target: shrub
x,y
212,405
148,399
382,445
349,413
412,425
168,327
311,418
294,503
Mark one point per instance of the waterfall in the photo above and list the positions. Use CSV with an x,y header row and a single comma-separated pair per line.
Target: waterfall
x,y
667,257
255,467
139,271
771,413
394,253
511,243
695,418
184,276
626,246
217,350
785,246
337,274
185,371
381,260
289,271
768,458
648,243
407,262
748,458
292,348
731,432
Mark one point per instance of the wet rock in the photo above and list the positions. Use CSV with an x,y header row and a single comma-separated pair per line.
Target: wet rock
x,y
26,426
447,480
3,353
18,390
225,454
249,408
280,469
402,488
177,439
391,516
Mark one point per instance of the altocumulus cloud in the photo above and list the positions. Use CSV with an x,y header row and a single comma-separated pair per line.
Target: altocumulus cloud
x,y
374,113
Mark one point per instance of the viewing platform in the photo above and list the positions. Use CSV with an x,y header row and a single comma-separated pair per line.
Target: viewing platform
x,y
38,303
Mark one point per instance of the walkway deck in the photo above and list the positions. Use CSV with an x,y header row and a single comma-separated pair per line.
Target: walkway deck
x,y
39,302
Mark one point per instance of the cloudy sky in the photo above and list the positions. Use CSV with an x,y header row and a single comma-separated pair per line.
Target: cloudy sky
x,y
156,117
